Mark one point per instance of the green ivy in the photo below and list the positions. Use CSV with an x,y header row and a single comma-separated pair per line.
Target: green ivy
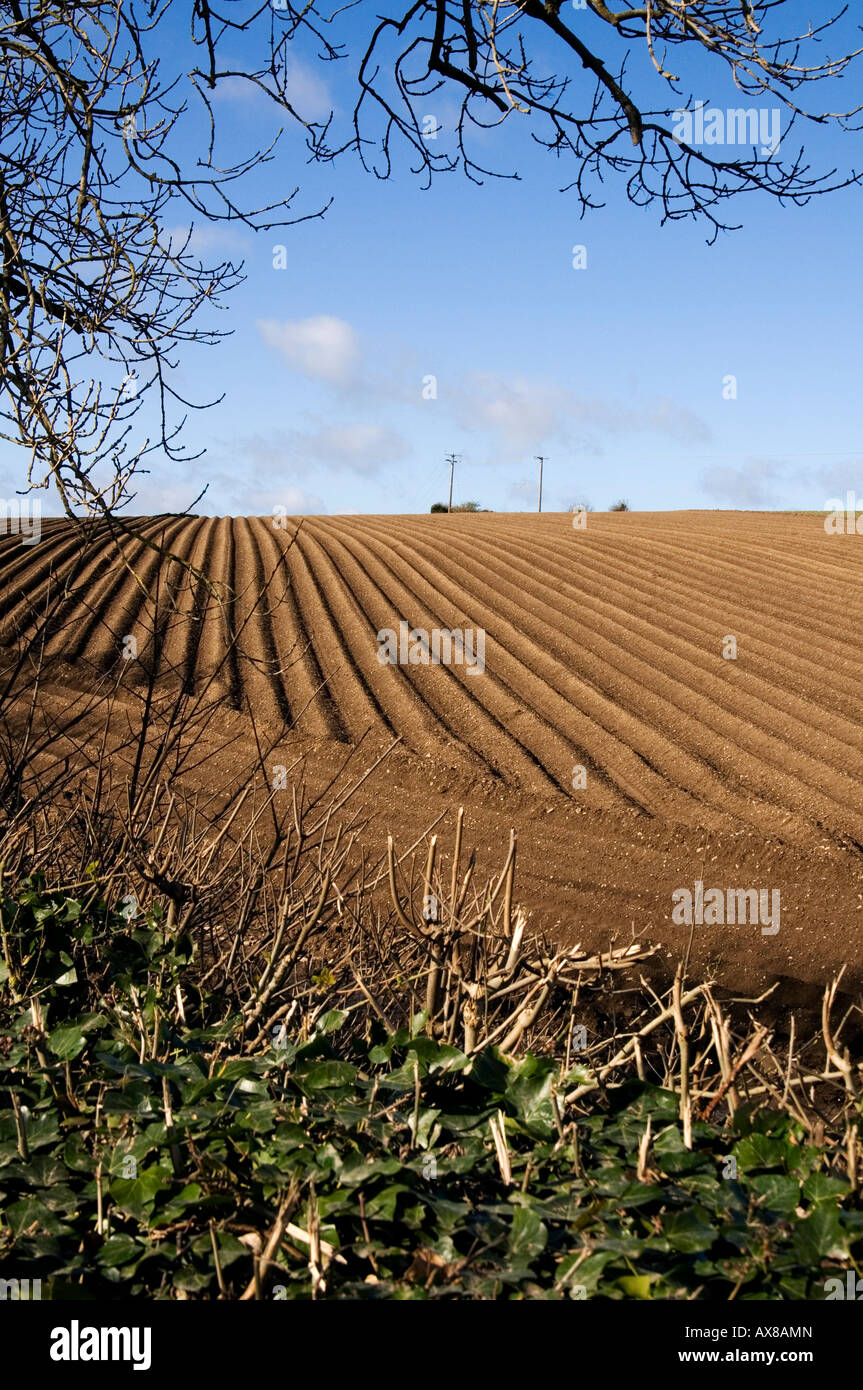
x,y
125,1176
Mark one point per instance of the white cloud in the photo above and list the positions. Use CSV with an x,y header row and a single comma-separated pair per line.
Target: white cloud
x,y
323,346
782,481
360,447
197,239
238,90
527,414
674,421
522,413
758,484
237,493
295,500
838,478
306,91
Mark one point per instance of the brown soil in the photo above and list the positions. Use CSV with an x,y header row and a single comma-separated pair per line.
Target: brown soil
x,y
603,650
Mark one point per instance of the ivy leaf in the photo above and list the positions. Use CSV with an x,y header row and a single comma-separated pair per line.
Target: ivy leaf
x,y
120,1250
528,1089
688,1231
323,1075
331,1021
190,1196
68,1040
528,1236
820,1237
820,1187
776,1192
382,1207
760,1151
489,1070
137,1196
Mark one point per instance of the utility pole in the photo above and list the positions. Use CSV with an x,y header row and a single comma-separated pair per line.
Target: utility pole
x,y
541,458
452,460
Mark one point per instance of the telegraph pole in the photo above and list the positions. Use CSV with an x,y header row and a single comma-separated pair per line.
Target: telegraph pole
x,y
452,460
541,458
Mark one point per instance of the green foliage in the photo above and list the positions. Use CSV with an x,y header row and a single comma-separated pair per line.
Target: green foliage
x,y
141,1147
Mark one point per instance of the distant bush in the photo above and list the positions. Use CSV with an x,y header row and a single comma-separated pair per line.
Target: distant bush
x,y
621,506
438,507
459,507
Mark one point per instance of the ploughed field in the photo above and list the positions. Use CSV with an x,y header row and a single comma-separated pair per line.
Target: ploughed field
x,y
606,721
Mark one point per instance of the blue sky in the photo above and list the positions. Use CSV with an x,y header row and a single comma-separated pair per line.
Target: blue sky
x,y
615,371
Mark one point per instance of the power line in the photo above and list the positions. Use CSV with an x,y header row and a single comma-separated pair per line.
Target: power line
x,y
434,485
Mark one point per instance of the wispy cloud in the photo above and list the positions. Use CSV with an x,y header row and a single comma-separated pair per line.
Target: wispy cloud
x,y
674,421
517,412
295,500
522,413
513,415
199,239
769,482
306,91
838,478
359,447
759,483
253,488
323,347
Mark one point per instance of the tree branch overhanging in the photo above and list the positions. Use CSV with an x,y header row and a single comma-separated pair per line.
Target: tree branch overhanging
x,y
102,283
